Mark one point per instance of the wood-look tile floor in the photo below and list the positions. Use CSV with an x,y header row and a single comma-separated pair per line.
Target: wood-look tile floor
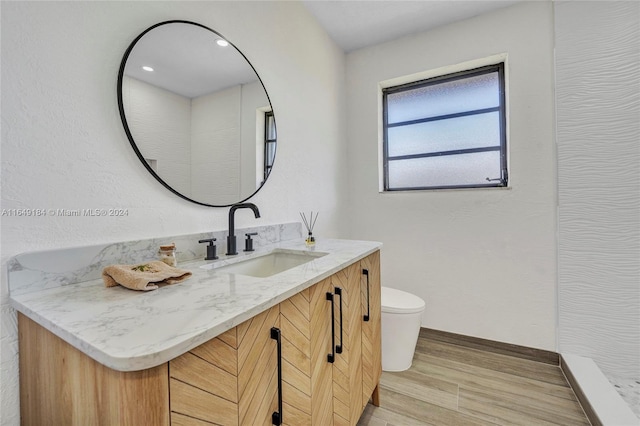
x,y
450,385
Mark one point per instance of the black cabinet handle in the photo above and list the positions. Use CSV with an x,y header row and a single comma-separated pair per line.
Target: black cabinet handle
x,y
276,417
366,317
331,357
338,292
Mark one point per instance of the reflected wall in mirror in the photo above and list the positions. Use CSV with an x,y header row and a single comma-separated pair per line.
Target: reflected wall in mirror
x,y
196,113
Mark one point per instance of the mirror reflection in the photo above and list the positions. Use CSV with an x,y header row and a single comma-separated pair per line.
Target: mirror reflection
x,y
197,114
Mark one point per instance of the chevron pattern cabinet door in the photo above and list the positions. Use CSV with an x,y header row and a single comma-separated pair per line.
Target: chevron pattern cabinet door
x,y
371,337
295,325
321,369
231,379
204,384
305,321
257,369
347,368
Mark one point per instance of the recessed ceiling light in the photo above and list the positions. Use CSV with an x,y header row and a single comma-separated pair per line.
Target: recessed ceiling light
x,y
146,68
223,43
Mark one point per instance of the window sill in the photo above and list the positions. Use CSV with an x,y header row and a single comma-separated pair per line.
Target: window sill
x,y
422,191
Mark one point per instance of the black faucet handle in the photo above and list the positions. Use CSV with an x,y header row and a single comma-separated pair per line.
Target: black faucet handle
x,y
248,243
211,248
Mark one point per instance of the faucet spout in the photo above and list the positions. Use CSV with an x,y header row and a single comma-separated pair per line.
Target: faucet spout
x,y
231,238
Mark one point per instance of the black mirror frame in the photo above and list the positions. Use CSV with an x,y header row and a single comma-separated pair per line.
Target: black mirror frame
x,y
126,125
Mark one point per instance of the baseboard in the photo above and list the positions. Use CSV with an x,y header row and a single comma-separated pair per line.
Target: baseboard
x,y
524,352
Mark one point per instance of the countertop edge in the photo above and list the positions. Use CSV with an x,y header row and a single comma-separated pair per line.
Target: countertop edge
x,y
150,360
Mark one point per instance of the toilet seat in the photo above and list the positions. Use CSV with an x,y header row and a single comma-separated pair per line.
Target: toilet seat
x,y
396,301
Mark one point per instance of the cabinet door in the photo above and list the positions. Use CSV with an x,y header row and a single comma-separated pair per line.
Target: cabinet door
x,y
347,368
203,383
229,380
305,321
371,337
295,327
257,369
321,347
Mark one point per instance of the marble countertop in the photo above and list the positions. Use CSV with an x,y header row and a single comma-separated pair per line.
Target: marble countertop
x,y
130,330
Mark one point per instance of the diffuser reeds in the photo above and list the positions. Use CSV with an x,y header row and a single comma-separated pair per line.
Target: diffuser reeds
x,y
309,224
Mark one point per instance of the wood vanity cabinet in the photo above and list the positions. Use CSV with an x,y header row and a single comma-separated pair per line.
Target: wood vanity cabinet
x,y
233,379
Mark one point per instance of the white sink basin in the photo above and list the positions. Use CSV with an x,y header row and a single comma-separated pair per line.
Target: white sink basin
x,y
268,264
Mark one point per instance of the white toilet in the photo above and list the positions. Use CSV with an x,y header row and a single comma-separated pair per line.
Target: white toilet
x,y
401,319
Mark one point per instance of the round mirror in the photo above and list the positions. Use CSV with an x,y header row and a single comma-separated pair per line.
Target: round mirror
x,y
196,113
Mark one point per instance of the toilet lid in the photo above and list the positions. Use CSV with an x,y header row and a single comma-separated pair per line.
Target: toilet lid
x,y
400,302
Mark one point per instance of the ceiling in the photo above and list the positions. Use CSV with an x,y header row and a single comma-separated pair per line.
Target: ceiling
x,y
175,50
187,60
354,24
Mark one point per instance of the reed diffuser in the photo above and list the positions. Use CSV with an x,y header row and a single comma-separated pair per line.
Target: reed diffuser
x,y
309,224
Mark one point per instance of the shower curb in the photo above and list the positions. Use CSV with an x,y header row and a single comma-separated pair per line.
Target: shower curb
x,y
600,401
582,398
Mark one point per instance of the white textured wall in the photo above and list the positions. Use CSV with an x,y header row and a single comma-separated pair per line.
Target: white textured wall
x,y
160,123
223,143
215,146
484,261
205,148
63,145
598,122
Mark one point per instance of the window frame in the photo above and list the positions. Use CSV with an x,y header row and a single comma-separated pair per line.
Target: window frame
x,y
500,182
268,165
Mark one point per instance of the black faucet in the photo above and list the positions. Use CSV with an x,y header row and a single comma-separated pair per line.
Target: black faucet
x,y
231,239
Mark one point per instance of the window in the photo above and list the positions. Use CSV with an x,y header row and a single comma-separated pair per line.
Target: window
x,y
269,142
446,132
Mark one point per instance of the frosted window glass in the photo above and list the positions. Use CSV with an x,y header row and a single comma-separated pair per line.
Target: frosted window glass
x,y
446,132
271,153
446,170
473,131
271,127
471,93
